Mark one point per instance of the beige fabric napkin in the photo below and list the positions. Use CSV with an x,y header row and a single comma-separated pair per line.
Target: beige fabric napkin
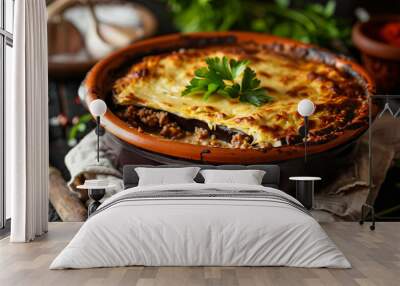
x,y
346,195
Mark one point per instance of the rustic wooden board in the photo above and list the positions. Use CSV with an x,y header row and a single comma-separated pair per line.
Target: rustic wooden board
x,y
67,204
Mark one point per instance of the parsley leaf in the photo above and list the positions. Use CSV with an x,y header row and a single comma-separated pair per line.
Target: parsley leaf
x,y
238,67
251,91
220,67
221,76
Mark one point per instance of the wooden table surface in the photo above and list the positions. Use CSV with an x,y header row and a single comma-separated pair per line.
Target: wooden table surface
x,y
374,255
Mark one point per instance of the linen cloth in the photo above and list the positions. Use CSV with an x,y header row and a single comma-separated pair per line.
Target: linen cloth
x,y
82,164
345,196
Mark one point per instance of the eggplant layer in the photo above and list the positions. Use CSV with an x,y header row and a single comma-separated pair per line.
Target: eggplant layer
x,y
174,127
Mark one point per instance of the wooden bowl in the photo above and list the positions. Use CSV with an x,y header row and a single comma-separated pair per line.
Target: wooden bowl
x,y
380,59
99,81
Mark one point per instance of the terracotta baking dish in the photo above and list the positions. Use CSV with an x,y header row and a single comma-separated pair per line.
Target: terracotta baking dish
x,y
99,81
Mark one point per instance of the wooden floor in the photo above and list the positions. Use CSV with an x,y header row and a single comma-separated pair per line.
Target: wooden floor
x,y
375,257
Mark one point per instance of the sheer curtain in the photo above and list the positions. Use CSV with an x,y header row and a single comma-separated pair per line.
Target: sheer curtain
x,y
27,123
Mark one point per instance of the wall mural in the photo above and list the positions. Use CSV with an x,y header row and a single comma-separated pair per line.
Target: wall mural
x,y
181,87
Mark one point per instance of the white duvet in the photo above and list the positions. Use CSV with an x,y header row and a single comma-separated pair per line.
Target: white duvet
x,y
200,231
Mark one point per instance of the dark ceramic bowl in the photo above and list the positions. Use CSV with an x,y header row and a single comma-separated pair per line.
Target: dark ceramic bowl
x,y
381,60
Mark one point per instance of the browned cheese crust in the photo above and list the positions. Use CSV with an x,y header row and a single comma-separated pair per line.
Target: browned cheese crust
x,y
148,97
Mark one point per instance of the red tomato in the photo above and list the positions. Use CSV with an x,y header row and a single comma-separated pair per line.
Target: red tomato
x,y
390,33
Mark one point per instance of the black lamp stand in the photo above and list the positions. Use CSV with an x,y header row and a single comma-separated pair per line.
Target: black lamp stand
x,y
99,132
303,131
305,138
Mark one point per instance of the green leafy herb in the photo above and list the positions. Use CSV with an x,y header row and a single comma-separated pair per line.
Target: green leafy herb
x,y
206,15
310,23
221,76
79,129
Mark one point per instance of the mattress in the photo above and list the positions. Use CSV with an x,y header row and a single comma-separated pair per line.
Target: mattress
x,y
201,225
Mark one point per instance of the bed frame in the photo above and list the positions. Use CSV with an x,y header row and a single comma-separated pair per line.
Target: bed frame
x,y
131,178
271,178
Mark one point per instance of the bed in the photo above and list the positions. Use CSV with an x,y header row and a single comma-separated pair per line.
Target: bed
x,y
201,224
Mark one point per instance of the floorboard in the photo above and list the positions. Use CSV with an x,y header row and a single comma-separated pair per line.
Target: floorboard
x,y
374,255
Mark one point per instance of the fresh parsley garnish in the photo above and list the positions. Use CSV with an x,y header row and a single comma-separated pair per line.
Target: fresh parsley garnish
x,y
221,76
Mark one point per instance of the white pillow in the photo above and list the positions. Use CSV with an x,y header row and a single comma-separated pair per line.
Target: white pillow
x,y
164,176
248,177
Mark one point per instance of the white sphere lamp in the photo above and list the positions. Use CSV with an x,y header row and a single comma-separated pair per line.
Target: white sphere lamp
x,y
98,108
305,108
